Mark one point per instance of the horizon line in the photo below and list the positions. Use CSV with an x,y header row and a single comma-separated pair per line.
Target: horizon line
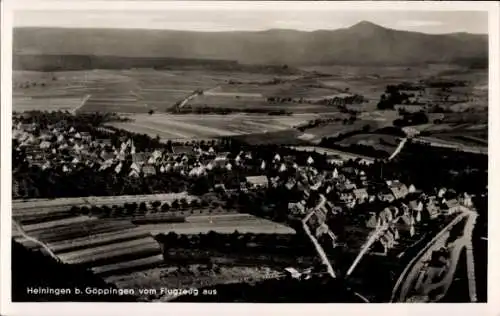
x,y
240,30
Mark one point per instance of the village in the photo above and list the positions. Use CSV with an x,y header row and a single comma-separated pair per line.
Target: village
x,y
340,207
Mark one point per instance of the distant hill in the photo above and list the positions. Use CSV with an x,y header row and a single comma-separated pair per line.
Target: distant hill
x,y
363,43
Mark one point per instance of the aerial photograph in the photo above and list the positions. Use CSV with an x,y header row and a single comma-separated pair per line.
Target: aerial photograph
x,y
253,156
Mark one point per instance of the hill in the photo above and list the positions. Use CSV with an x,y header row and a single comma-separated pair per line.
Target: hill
x,y
363,43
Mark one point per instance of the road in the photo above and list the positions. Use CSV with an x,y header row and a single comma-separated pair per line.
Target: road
x,y
398,149
376,234
315,242
87,97
418,277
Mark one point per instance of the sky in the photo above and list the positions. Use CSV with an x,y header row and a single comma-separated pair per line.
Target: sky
x,y
434,22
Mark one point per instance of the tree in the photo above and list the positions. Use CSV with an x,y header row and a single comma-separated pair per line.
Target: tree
x,y
175,204
165,207
156,204
183,203
75,210
143,208
85,210
195,203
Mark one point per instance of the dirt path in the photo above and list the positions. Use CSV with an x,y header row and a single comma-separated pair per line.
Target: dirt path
x,y
36,241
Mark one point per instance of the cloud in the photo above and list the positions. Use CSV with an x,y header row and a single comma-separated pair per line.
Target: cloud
x,y
418,23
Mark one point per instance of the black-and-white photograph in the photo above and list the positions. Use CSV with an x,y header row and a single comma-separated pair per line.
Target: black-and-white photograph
x,y
259,155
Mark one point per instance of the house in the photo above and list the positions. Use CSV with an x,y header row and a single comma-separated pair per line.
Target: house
x,y
45,135
105,130
410,108
297,208
263,165
255,182
149,170
466,200
282,168
412,189
452,206
197,171
382,244
361,195
151,160
134,173
135,166
220,186
140,158
373,221
219,162
45,144
157,154
386,216
398,189
386,197
347,198
86,136
350,186
106,155
335,174
431,210
289,159
118,168
416,207
441,192
293,273
321,230
78,147
104,142
290,184
222,156
106,164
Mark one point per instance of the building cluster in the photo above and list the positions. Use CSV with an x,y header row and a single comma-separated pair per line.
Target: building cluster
x,y
341,191
67,149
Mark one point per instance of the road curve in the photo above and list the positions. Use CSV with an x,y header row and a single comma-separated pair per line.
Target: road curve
x,y
414,269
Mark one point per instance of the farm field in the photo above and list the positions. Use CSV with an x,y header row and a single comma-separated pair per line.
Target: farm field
x,y
381,142
473,135
170,126
142,90
126,91
225,224
56,103
28,205
118,247
333,153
